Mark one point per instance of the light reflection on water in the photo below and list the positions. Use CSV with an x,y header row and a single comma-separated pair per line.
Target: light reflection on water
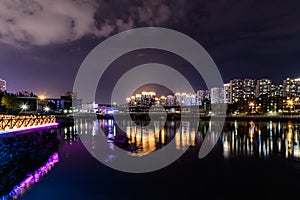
x,y
238,139
25,157
32,178
246,139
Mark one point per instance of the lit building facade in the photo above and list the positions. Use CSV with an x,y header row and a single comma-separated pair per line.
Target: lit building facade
x,y
217,95
2,85
145,99
227,93
184,99
201,96
170,100
264,87
236,90
249,86
291,87
276,90
242,89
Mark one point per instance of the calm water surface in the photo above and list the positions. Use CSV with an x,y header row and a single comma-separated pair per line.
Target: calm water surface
x,y
249,157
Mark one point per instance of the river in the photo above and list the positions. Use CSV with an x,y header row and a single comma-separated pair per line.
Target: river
x,y
249,157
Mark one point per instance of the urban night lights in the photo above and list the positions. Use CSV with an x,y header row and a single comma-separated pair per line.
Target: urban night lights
x,y
256,96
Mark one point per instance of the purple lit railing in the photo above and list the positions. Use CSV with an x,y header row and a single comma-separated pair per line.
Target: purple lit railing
x,y
29,128
10,124
32,178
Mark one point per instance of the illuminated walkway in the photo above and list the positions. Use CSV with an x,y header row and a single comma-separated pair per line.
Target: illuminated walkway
x,y
11,123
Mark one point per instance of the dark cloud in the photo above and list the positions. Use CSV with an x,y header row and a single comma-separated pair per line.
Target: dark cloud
x,y
245,38
44,22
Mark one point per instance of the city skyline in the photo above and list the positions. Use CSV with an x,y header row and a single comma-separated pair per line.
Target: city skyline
x,y
161,90
111,99
44,50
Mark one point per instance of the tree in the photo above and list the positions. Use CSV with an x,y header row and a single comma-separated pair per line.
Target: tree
x,y
10,102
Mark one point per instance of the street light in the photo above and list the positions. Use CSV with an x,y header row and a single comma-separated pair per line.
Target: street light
x,y
24,107
42,97
251,105
41,102
290,104
47,109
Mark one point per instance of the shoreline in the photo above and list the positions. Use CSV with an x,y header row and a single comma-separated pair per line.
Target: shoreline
x,y
69,119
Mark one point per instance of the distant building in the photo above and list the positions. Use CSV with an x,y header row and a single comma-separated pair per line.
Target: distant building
x,y
291,87
201,96
193,99
138,99
148,98
236,90
249,88
276,90
264,87
143,99
2,85
163,100
217,95
227,93
170,100
242,89
90,107
178,98
55,104
184,99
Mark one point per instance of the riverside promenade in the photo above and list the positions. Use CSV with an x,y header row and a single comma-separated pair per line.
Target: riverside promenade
x,y
13,123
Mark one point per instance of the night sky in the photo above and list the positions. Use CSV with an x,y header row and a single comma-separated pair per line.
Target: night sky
x,y
43,43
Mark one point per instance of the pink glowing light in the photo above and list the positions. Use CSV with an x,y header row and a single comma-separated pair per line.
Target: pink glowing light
x,y
32,178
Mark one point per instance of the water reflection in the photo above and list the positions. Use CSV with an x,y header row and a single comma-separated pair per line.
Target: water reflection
x,y
32,178
262,139
238,139
141,140
24,158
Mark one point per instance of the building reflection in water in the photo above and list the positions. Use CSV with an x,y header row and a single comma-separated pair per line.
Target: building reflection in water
x,y
238,139
263,139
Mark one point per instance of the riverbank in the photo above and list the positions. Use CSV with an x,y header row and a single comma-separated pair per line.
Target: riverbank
x,y
69,119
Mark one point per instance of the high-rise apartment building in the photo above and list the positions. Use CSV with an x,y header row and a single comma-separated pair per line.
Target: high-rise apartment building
x,y
185,99
242,89
2,85
201,96
276,90
227,93
170,100
291,87
217,95
264,87
249,87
